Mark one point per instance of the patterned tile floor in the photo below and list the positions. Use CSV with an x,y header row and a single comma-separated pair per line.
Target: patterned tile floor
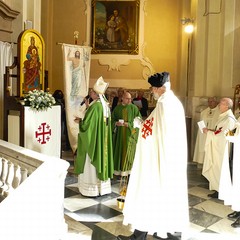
x,y
100,218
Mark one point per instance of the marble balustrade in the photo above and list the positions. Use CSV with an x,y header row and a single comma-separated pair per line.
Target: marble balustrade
x,y
11,175
32,194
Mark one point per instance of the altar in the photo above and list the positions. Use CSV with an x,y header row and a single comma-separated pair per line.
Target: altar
x,y
42,130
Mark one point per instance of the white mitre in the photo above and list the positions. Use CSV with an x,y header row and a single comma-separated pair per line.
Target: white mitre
x,y
100,88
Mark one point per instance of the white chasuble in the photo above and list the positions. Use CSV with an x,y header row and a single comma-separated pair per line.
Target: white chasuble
x,y
215,149
157,189
229,186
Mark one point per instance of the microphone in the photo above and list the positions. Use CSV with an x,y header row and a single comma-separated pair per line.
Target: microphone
x,y
87,97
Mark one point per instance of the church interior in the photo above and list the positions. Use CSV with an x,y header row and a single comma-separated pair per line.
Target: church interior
x,y
202,63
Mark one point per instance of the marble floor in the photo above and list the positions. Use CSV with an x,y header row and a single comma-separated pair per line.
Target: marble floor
x,y
99,218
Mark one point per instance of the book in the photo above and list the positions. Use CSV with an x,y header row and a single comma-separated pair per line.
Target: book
x,y
201,125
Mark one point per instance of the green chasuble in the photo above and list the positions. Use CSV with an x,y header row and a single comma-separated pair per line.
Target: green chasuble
x,y
95,139
121,134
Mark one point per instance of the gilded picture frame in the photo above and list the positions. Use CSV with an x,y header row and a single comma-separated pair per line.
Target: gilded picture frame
x,y
31,61
115,27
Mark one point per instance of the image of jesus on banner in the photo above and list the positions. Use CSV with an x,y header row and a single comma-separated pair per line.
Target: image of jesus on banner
x,y
76,83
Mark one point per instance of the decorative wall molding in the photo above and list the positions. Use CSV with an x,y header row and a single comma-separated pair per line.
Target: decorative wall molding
x,y
115,61
7,15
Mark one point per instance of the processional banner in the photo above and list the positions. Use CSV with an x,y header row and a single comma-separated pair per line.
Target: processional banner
x,y
76,71
43,130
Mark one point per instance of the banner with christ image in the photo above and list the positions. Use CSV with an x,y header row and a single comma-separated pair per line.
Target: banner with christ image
x,y
76,64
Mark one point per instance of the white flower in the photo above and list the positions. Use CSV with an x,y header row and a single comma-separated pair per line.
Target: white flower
x,y
39,100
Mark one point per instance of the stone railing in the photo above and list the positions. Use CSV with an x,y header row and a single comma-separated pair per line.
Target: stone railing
x,y
11,175
32,194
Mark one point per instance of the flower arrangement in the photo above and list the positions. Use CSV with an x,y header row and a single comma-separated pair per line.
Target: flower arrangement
x,y
39,100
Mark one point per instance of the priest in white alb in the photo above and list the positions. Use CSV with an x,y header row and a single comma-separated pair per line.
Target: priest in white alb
x,y
216,144
209,116
229,187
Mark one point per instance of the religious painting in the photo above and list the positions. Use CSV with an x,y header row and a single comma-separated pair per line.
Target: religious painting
x,y
115,27
31,69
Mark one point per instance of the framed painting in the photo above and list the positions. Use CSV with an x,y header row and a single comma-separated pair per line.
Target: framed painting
x,y
31,61
115,27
